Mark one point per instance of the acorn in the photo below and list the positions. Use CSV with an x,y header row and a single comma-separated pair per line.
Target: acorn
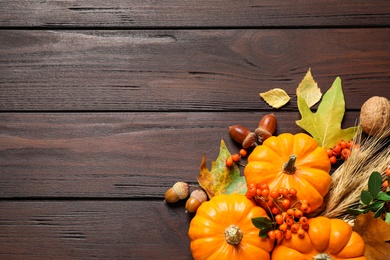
x,y
178,191
196,199
266,127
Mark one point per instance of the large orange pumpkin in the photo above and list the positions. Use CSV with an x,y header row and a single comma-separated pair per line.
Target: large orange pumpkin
x,y
222,229
325,239
291,161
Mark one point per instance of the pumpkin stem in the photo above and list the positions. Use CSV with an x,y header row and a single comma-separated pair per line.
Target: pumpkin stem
x,y
233,235
288,167
322,256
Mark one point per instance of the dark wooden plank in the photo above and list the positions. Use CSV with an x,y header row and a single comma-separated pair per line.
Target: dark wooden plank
x,y
93,230
116,155
184,70
177,13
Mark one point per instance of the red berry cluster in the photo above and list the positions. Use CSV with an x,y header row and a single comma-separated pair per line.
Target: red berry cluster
x,y
234,158
341,150
287,216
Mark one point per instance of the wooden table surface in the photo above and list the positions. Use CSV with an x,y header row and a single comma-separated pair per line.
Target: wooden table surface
x,y
104,105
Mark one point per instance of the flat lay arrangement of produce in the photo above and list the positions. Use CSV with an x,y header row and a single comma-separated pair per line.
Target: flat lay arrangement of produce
x,y
203,129
285,202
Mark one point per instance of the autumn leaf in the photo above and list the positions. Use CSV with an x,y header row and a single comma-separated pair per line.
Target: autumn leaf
x,y
376,235
221,179
325,124
275,97
308,90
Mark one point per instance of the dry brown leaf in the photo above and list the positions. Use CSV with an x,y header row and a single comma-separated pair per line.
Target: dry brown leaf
x,y
275,97
376,235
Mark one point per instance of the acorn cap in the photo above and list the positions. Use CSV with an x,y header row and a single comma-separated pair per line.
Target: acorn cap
x,y
181,189
199,195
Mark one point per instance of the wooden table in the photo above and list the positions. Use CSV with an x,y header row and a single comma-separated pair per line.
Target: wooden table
x,y
104,105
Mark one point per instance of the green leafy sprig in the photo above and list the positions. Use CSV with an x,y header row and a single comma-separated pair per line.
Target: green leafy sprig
x,y
374,199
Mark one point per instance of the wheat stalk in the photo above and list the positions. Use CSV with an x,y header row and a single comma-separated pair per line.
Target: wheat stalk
x,y
352,176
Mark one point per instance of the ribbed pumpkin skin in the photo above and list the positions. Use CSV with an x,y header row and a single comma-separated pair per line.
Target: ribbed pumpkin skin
x,y
207,229
331,236
311,178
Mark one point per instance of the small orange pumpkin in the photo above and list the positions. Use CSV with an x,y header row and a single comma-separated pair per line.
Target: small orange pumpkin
x,y
291,161
222,229
325,239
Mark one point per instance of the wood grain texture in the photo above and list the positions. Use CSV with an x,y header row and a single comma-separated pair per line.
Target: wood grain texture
x,y
93,230
184,70
200,13
115,155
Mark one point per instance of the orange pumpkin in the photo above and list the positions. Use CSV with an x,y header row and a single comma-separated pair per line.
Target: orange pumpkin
x,y
291,161
222,229
325,239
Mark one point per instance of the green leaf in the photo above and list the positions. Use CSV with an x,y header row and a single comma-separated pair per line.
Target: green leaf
x,y
378,213
264,232
262,222
374,183
376,205
325,124
221,179
356,212
383,196
366,197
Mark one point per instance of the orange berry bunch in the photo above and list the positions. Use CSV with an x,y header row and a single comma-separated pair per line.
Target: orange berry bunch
x,y
235,158
341,150
290,222
288,217
385,182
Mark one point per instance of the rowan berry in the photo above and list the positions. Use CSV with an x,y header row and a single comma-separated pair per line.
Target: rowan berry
x,y
336,150
387,172
285,192
286,203
279,219
235,157
290,212
329,152
283,227
288,234
264,186
305,226
342,144
243,153
275,210
301,233
292,191
278,234
294,228
270,203
298,213
229,161
271,234
350,143
304,207
333,159
258,192
274,194
345,153
303,220
265,193
290,221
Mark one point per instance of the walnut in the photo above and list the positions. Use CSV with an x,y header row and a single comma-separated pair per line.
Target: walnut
x,y
375,117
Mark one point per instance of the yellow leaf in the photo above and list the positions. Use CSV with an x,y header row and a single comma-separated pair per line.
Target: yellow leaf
x,y
308,89
376,235
275,97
